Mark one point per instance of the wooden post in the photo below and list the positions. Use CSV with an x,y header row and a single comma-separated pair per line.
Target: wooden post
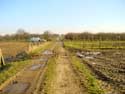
x,y
2,63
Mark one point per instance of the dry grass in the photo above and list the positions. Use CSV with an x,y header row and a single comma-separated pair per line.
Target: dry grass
x,y
12,48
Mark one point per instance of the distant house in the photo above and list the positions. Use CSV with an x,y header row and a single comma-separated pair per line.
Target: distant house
x,y
35,39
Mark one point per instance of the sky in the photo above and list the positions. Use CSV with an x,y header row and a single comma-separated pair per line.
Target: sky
x,y
62,16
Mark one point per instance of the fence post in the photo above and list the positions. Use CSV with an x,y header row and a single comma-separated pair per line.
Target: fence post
x,y
2,63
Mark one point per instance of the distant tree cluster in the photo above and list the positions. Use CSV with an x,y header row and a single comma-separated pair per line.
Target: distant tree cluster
x,y
22,35
99,36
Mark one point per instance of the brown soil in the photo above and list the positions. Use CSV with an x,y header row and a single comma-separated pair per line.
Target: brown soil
x,y
24,82
65,81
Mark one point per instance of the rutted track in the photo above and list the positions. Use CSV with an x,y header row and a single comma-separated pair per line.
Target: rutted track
x,y
65,80
26,81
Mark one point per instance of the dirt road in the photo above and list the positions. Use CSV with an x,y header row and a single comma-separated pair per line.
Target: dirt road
x,y
25,81
65,81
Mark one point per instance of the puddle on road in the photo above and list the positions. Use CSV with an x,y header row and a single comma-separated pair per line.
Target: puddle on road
x,y
36,66
44,58
16,88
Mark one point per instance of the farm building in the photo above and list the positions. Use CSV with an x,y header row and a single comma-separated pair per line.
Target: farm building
x,y
37,39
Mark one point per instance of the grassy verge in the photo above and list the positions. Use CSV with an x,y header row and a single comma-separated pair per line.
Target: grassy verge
x,y
90,81
41,48
49,75
11,69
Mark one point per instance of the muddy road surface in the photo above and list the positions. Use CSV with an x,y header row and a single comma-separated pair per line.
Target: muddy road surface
x,y
65,81
25,81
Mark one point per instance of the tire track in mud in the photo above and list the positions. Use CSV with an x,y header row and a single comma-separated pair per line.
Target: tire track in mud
x,y
26,81
65,80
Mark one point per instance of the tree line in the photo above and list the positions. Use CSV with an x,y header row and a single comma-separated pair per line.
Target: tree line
x,y
93,37
22,35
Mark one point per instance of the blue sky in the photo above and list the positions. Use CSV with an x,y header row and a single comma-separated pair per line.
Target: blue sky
x,y
62,16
